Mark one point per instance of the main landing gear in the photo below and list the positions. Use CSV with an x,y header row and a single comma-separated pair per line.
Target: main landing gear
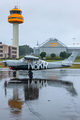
x,y
30,74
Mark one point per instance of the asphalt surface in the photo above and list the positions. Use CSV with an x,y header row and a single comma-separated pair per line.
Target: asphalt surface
x,y
52,94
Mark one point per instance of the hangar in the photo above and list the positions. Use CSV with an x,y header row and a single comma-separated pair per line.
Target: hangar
x,y
53,45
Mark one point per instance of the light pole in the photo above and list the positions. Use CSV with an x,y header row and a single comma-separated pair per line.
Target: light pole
x,y
74,44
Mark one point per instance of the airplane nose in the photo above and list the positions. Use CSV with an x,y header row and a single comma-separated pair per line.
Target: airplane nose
x,y
7,62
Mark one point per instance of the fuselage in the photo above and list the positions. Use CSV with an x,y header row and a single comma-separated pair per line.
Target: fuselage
x,y
39,64
32,62
23,64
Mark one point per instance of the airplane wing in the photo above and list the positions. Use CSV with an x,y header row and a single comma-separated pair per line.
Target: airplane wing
x,y
31,57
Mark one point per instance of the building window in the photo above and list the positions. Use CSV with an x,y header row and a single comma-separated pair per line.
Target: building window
x,y
1,50
14,52
1,46
14,48
13,56
1,55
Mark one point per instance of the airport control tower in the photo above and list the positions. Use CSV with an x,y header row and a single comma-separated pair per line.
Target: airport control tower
x,y
16,18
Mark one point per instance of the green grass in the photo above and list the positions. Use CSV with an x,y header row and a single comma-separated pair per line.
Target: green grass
x,y
74,66
52,60
2,65
77,60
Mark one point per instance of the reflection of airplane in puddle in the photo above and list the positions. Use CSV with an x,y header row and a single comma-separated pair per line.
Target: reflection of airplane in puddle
x,y
32,63
39,83
29,90
5,74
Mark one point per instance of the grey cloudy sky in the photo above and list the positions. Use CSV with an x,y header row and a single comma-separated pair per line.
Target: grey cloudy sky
x,y
43,19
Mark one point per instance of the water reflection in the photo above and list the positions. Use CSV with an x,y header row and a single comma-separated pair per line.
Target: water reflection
x,y
15,106
5,74
55,74
31,93
64,84
15,103
25,89
52,89
31,87
47,74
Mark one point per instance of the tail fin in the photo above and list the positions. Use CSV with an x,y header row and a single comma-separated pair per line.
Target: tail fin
x,y
69,61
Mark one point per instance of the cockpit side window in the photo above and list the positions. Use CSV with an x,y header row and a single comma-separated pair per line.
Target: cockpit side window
x,y
22,60
26,61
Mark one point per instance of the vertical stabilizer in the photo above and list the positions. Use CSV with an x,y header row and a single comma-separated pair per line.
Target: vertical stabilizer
x,y
69,61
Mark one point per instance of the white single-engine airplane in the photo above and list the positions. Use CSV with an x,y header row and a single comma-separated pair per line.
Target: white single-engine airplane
x,y
34,63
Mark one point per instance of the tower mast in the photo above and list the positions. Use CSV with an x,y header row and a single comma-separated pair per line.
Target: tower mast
x,y
16,18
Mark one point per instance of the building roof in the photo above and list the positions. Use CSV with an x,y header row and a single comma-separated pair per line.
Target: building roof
x,y
53,40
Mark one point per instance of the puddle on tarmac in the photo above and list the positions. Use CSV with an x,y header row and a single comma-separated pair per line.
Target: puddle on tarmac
x,y
51,94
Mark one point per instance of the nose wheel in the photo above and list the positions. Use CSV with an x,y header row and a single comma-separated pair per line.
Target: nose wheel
x,y
30,73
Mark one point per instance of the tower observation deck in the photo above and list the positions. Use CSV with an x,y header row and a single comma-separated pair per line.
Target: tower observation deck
x,y
16,18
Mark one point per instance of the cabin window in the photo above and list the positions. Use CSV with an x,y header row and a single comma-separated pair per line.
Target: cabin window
x,y
29,60
22,60
35,61
40,62
45,63
26,61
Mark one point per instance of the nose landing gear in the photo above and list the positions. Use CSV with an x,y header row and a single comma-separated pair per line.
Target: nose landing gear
x,y
14,74
30,74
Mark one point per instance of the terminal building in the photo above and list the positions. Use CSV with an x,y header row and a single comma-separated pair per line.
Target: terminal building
x,y
54,46
11,51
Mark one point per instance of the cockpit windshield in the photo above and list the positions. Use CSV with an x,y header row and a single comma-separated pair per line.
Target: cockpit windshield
x,y
22,59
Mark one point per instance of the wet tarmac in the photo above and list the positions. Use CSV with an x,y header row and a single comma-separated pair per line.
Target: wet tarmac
x,y
46,95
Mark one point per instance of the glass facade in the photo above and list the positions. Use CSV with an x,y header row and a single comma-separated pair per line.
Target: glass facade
x,y
16,11
15,17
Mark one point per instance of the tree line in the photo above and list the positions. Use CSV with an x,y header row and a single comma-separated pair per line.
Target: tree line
x,y
25,49
62,55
